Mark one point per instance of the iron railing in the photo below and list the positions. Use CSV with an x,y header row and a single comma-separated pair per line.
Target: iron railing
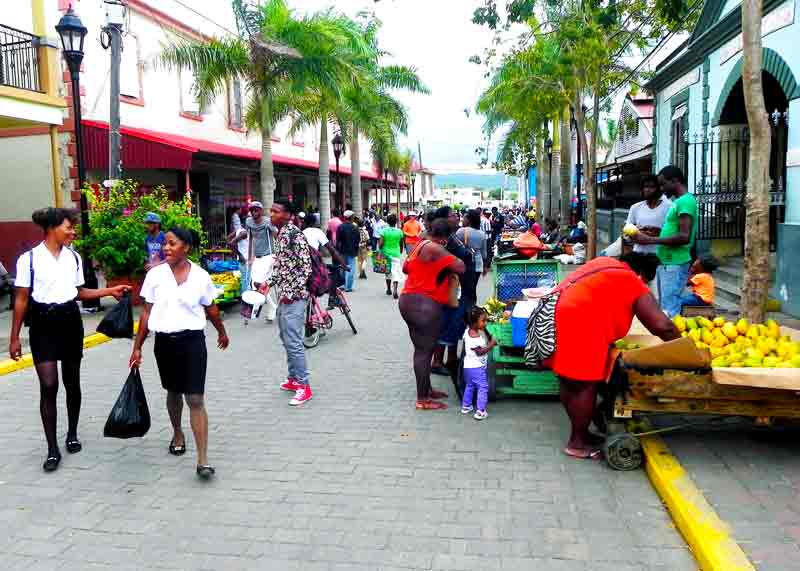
x,y
718,170
19,59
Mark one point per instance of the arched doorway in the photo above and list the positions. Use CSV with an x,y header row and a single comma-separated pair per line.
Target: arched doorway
x,y
721,197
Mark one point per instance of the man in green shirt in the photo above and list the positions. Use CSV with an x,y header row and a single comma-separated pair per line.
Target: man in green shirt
x,y
676,240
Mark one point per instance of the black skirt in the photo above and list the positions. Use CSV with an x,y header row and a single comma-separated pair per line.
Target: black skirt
x,y
182,359
56,332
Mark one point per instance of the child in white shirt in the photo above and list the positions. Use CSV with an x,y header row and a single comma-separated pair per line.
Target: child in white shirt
x,y
477,344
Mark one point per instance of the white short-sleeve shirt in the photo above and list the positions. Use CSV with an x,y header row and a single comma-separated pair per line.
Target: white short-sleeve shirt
x,y
471,359
56,279
315,237
642,215
178,307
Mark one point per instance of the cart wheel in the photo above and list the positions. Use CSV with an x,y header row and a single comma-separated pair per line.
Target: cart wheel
x,y
623,451
491,376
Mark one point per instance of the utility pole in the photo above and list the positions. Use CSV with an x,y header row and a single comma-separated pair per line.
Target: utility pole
x,y
115,20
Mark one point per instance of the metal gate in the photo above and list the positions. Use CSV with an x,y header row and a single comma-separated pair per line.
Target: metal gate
x,y
718,165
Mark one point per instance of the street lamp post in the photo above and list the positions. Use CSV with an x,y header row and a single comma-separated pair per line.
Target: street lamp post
x,y
413,191
548,148
579,170
338,150
386,189
73,33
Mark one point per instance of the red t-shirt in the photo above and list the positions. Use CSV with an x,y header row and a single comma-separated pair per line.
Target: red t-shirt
x,y
595,309
422,276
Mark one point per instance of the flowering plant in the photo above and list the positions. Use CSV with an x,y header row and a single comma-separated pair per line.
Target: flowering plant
x,y
116,220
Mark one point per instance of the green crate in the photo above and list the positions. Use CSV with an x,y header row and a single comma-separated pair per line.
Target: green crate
x,y
508,355
512,276
501,332
528,382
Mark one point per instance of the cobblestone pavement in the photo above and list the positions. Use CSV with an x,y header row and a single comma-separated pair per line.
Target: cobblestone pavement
x,y
356,480
752,479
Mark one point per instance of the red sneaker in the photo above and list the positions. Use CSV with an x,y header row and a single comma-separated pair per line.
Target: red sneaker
x,y
290,385
302,396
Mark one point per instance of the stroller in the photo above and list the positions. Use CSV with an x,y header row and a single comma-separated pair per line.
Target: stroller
x,y
252,299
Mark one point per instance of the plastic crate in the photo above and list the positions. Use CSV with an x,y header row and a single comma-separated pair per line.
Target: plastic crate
x,y
502,332
528,382
513,276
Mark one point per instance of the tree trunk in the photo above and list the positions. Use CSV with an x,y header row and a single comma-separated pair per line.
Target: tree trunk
x,y
267,196
355,176
541,165
756,279
324,175
566,170
589,154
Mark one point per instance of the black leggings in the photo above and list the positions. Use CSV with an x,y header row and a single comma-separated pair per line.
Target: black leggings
x,y
424,319
48,393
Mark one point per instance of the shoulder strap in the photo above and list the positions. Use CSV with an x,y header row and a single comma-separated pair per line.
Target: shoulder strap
x,y
32,274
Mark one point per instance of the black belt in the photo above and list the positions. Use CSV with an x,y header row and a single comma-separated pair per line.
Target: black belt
x,y
180,334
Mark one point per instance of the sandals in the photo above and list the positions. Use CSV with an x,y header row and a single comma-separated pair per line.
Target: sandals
x,y
74,445
177,449
594,454
205,472
52,462
430,405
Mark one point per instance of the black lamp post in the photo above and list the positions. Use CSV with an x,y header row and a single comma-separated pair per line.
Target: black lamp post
x,y
73,33
578,169
413,191
338,150
548,148
386,189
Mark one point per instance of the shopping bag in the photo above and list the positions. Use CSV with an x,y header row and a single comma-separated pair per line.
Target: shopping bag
x,y
118,323
381,264
130,417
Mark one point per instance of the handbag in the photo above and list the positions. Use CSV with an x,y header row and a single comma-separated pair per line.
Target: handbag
x,y
381,264
454,285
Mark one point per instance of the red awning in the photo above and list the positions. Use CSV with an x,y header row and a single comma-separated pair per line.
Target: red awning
x,y
143,148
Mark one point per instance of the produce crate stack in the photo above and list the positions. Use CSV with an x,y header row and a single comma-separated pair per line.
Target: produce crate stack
x,y
229,285
224,270
513,276
510,374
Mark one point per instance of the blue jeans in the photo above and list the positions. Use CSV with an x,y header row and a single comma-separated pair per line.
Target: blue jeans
x,y
671,286
691,298
244,277
350,276
475,380
291,323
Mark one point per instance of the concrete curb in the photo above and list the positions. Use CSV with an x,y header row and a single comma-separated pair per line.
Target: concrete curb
x,y
707,535
10,365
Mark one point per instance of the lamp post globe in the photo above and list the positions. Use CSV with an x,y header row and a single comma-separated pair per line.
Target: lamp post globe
x,y
73,33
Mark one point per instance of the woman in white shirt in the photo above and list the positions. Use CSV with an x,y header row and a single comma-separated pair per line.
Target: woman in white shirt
x,y
179,296
49,280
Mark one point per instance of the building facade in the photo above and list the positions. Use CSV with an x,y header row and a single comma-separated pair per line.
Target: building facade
x,y
167,138
701,126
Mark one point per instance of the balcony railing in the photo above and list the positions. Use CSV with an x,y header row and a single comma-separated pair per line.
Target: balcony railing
x,y
19,59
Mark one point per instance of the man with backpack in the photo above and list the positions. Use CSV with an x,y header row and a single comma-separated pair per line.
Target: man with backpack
x,y
290,276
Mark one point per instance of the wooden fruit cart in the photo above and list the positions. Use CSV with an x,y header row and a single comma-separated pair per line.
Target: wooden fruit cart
x,y
634,393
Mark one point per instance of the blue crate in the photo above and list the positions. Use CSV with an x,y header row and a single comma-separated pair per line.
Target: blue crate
x,y
511,277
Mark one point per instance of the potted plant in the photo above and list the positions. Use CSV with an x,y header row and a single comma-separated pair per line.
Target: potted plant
x,y
116,219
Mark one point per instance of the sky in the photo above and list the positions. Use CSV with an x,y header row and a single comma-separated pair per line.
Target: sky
x,y
437,37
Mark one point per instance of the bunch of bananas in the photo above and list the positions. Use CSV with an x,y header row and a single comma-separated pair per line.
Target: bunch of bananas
x,y
496,310
225,279
741,344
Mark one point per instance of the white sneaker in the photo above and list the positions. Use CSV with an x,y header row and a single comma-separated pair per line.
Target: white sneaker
x,y
466,409
480,414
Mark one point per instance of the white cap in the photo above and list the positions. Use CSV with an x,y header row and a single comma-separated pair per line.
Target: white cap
x,y
348,214
412,213
256,204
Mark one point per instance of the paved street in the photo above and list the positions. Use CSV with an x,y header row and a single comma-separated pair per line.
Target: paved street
x,y
355,480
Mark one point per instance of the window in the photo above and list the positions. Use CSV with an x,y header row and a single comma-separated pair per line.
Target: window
x,y
129,78
189,102
679,126
236,119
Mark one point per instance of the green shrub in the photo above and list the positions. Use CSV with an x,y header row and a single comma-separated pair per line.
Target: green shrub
x,y
116,219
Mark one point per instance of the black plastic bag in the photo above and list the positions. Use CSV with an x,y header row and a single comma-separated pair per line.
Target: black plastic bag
x,y
130,417
118,323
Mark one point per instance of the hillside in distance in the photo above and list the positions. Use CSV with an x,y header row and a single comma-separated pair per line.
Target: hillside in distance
x,y
476,180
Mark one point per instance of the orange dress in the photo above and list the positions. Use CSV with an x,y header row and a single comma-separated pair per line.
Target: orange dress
x,y
595,309
422,276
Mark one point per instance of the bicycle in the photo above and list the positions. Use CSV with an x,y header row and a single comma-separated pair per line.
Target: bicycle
x,y
319,320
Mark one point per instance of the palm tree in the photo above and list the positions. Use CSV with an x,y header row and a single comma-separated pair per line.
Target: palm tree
x,y
280,57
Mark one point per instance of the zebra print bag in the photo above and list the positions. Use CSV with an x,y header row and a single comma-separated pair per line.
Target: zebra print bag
x,y
541,332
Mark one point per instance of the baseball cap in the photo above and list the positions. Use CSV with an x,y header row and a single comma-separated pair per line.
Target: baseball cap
x,y
348,214
256,204
152,218
412,213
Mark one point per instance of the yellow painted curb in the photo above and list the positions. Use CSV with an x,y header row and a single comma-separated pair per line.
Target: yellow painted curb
x,y
10,365
707,535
